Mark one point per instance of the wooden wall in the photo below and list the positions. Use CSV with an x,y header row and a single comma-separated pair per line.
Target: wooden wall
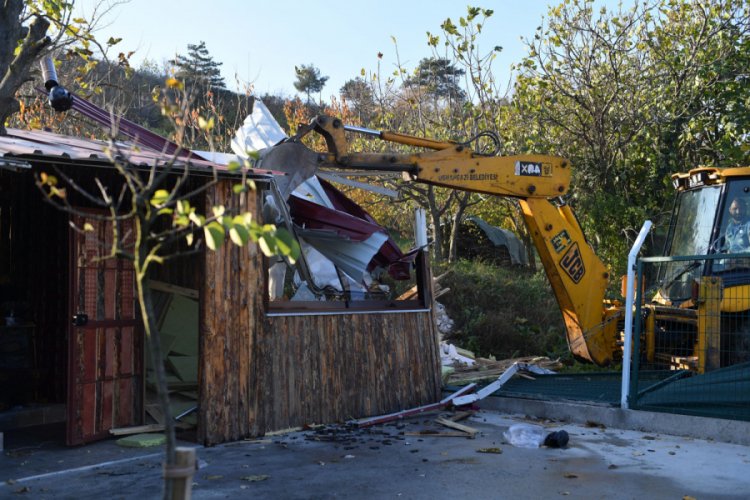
x,y
261,374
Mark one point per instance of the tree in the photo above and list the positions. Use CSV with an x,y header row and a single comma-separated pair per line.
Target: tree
x,y
439,76
309,80
30,41
630,97
198,67
25,36
157,203
358,92
32,29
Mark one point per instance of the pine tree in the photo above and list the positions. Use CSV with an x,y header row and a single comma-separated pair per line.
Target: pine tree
x,y
309,80
198,66
439,76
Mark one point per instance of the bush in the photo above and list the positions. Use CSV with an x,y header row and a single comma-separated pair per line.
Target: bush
x,y
503,312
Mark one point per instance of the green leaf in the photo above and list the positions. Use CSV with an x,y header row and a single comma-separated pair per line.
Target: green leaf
x,y
265,247
183,207
287,245
214,234
239,235
198,220
189,239
160,197
218,210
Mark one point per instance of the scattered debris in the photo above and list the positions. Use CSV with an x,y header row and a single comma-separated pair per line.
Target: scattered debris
x,y
497,451
256,478
591,423
483,368
451,357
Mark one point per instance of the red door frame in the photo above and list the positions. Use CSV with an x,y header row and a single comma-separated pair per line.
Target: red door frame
x,y
105,338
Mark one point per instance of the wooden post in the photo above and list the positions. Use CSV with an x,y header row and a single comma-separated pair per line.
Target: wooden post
x,y
181,474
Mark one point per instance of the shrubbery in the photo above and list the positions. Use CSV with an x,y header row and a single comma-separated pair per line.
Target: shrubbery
x,y
503,312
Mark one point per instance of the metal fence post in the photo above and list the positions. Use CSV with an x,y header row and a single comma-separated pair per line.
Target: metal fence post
x,y
628,350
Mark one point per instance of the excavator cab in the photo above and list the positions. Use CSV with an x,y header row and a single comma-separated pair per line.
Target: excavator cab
x,y
700,315
708,218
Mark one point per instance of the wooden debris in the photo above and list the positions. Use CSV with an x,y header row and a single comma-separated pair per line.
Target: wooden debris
x,y
470,431
138,429
281,432
460,415
427,433
484,369
437,290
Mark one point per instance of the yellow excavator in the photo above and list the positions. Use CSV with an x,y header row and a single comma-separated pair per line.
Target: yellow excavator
x,y
578,277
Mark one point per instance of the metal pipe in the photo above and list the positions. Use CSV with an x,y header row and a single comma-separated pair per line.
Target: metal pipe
x,y
362,130
630,288
49,73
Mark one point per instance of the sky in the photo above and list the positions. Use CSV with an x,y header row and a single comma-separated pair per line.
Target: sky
x,y
260,42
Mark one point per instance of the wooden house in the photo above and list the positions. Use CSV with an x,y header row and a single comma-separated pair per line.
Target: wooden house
x,y
72,346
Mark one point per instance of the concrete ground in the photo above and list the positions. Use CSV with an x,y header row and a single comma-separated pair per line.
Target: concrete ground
x,y
399,460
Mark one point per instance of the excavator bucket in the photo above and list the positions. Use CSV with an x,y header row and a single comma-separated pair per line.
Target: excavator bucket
x,y
298,162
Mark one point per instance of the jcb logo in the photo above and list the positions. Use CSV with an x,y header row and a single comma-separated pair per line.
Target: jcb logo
x,y
572,263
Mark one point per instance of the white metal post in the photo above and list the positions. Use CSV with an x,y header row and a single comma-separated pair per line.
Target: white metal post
x,y
420,229
629,298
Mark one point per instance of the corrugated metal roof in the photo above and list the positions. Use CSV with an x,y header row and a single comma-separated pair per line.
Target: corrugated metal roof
x,y
42,146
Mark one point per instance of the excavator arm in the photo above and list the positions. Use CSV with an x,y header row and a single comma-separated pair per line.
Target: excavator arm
x,y
577,275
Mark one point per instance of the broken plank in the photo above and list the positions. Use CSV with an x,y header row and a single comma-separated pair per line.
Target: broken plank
x,y
138,429
439,434
470,431
460,415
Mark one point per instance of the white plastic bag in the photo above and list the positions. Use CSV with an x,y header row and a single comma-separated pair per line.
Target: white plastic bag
x,y
525,435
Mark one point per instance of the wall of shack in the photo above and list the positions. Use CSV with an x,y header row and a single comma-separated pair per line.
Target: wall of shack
x,y
259,374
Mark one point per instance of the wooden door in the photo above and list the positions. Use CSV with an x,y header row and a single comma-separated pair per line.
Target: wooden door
x,y
105,354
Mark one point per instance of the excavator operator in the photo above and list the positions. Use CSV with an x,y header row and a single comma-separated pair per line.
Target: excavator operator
x,y
737,233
